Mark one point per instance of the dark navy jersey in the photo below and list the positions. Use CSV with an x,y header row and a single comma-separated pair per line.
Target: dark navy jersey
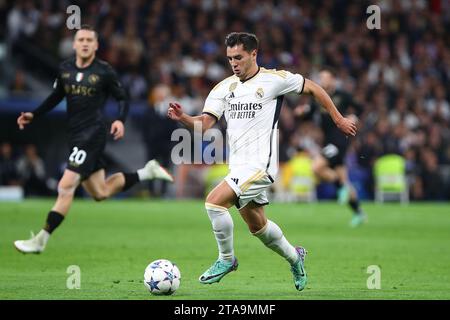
x,y
346,106
86,91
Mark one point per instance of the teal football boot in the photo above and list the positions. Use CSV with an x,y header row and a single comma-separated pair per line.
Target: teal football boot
x,y
218,270
358,219
298,269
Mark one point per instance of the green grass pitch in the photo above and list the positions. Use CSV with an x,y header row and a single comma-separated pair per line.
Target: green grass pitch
x,y
112,242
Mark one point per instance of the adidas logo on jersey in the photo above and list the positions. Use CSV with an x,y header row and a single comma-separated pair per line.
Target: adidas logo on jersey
x,y
230,96
235,180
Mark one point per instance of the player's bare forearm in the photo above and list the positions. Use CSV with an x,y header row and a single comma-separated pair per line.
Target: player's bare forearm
x,y
204,121
346,125
189,121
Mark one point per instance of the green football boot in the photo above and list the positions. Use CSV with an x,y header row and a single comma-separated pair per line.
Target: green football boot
x,y
218,270
358,219
298,269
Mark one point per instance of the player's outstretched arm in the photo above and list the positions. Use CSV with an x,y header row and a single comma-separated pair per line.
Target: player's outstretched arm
x,y
51,102
346,125
175,112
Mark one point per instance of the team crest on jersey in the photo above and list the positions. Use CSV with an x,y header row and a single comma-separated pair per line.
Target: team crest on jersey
x,y
233,86
259,93
93,78
79,76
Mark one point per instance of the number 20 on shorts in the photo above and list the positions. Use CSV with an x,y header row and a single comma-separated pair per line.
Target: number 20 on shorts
x,y
78,156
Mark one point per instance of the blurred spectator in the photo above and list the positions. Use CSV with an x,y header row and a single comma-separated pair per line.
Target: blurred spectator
x,y
157,130
431,179
8,170
135,84
131,46
32,173
191,105
437,105
23,19
65,48
19,86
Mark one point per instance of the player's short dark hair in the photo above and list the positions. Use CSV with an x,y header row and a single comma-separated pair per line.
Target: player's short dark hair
x,y
89,28
329,69
248,40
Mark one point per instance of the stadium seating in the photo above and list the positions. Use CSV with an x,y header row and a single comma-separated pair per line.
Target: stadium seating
x,y
298,178
390,178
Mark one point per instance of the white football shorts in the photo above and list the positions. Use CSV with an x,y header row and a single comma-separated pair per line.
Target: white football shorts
x,y
249,185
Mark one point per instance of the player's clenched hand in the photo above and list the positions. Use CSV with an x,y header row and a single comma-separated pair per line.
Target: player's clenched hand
x,y
347,126
24,119
117,129
175,111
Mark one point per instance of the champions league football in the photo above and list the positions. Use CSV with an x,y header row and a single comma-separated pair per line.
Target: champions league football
x,y
162,277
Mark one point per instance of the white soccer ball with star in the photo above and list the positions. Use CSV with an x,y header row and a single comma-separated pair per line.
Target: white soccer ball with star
x,y
162,277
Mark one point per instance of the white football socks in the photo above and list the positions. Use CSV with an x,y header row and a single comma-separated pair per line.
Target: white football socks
x,y
222,224
143,174
272,236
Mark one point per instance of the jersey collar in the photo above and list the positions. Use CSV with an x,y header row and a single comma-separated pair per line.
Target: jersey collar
x,y
242,81
85,68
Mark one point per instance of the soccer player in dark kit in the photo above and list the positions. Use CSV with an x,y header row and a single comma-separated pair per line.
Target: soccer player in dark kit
x,y
86,82
330,164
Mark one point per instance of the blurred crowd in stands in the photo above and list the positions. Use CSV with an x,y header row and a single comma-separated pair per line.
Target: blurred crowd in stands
x,y
25,168
173,50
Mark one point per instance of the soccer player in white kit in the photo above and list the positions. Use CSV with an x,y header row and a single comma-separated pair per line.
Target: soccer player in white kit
x,y
251,100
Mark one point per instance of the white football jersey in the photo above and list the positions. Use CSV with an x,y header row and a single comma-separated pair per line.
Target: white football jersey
x,y
251,109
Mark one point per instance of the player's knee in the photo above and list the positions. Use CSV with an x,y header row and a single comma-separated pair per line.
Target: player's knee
x,y
212,198
215,207
316,168
100,196
256,227
66,190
